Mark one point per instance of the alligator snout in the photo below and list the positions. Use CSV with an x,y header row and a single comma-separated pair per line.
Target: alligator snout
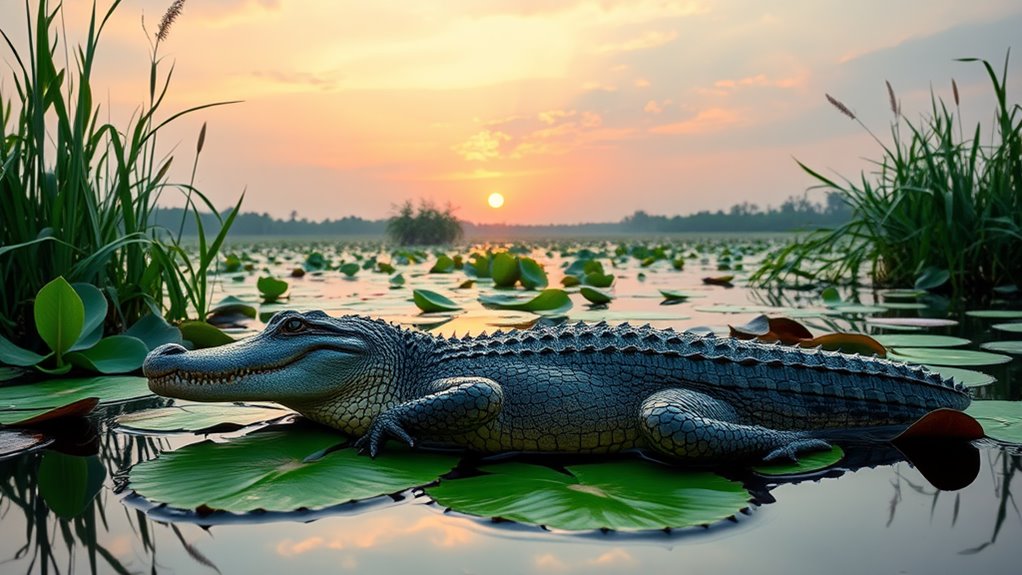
x,y
156,363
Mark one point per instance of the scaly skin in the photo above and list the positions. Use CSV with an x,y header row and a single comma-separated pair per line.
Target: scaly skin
x,y
568,389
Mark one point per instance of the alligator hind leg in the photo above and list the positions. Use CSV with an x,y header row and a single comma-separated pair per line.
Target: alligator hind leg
x,y
694,426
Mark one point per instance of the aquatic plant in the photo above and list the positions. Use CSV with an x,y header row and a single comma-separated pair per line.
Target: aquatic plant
x,y
428,225
942,206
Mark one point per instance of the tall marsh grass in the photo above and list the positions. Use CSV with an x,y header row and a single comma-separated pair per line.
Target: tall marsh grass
x,y
78,195
943,205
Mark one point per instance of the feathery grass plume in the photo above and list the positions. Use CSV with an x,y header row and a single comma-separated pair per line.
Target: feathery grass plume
x,y
954,90
841,107
895,108
168,19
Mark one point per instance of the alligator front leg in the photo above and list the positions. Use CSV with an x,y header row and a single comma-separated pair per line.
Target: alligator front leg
x,y
694,426
457,405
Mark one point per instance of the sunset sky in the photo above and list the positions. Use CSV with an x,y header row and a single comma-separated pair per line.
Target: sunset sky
x,y
574,110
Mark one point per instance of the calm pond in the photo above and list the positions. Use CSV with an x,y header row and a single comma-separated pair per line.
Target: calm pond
x,y
88,503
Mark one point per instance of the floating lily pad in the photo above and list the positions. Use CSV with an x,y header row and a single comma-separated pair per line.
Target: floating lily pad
x,y
860,309
903,293
1014,347
14,442
1000,419
548,300
34,417
58,392
921,340
430,301
677,295
621,495
807,463
1008,327
912,321
995,313
945,356
595,295
199,417
280,471
622,316
966,377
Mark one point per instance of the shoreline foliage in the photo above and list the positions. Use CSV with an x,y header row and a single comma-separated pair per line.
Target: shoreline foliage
x,y
428,225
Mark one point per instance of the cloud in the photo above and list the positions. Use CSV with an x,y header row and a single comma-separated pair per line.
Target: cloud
x,y
652,39
482,146
709,120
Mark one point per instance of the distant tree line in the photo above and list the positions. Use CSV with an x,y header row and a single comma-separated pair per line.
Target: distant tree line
x,y
427,226
796,213
252,224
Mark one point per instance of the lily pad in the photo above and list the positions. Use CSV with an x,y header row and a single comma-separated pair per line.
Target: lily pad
x,y
1014,347
945,356
902,293
547,300
966,377
34,417
203,335
1008,327
198,417
920,340
504,269
430,301
912,321
532,274
58,392
595,295
620,495
1001,420
279,471
677,295
807,463
14,442
860,309
995,313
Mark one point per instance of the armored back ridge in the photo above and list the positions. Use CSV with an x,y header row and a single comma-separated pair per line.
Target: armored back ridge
x,y
570,389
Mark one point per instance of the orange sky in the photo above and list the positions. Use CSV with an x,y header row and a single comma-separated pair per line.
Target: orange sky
x,y
574,110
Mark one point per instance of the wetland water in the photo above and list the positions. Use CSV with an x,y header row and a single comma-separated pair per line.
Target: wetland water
x,y
872,512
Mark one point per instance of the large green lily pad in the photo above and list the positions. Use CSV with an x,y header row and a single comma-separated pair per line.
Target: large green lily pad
x,y
966,377
57,392
1009,327
1000,419
995,313
920,340
621,495
807,463
1013,347
273,471
945,356
912,321
199,417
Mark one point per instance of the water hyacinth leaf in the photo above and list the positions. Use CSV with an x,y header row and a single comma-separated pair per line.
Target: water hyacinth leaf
x,y
1014,347
595,295
1001,420
1008,327
154,331
966,377
430,301
203,335
349,269
280,471
995,313
619,495
912,321
68,483
807,463
33,417
945,356
531,274
546,300
59,316
14,442
114,354
932,278
11,354
444,265
271,288
95,307
504,269
847,343
920,340
54,393
199,417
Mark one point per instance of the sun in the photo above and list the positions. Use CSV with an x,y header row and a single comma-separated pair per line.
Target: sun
x,y
495,200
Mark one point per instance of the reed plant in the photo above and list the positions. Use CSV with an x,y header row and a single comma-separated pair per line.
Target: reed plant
x,y
942,208
78,195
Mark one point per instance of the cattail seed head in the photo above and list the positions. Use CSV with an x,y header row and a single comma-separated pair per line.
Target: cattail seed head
x,y
168,19
841,107
895,108
954,90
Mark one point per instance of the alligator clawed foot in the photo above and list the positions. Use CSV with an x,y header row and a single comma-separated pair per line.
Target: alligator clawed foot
x,y
382,427
790,451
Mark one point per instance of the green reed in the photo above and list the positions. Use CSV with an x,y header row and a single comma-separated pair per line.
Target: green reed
x,y
78,195
941,202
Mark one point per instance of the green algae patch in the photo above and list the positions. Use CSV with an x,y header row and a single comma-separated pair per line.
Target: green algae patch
x,y
619,495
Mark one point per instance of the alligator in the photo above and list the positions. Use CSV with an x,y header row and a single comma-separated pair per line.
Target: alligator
x,y
579,389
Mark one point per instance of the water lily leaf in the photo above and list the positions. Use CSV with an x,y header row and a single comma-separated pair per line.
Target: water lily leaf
x,y
595,295
34,417
831,297
11,373
754,328
14,442
203,335
396,280
943,423
1013,347
230,311
467,284
807,463
912,321
349,269
95,307
68,483
531,274
719,280
902,294
995,313
932,278
546,300
385,267
1001,420
859,309
1008,327
945,356
676,295
114,354
598,279
154,331
430,301
570,281
54,393
59,316
966,377
847,343
620,495
770,329
11,354
271,288
199,417
280,471
920,340
444,265
504,269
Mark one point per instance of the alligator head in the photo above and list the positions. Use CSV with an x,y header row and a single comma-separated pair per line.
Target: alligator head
x,y
298,358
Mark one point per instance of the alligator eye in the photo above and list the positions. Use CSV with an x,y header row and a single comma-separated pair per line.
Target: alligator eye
x,y
293,325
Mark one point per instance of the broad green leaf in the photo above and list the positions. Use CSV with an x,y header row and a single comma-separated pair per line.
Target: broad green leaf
x,y
831,297
198,417
58,392
114,354
920,340
531,274
271,288
677,295
547,300
350,269
598,279
902,294
504,269
807,463
203,335
1014,347
945,356
932,278
1000,419
912,321
229,311
966,377
595,295
570,281
995,313
430,301
859,309
59,316
396,280
95,307
280,471
620,495
1008,327
154,331
11,354
35,417
14,442
68,483
444,265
